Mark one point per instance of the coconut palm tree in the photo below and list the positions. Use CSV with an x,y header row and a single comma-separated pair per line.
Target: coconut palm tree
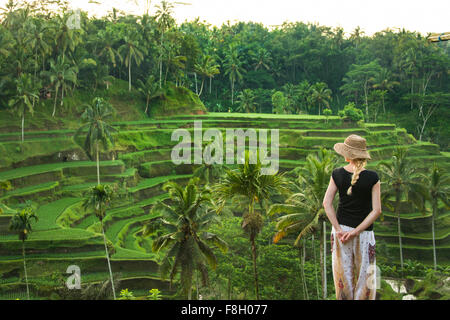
x,y
246,101
21,223
304,213
99,199
320,95
165,21
437,183
59,75
95,119
131,50
383,82
401,181
26,91
149,89
248,182
106,47
188,241
233,68
207,68
209,173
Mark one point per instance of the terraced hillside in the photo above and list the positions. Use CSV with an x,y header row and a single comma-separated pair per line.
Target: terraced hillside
x,y
52,170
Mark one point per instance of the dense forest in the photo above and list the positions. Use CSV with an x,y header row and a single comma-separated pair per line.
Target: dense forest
x,y
295,68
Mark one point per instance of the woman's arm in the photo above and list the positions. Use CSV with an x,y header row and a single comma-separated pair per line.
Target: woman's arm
x,y
371,217
328,204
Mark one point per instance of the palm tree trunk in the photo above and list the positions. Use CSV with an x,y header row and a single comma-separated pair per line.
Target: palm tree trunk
x,y
433,234
25,269
210,84
23,124
129,74
196,85
98,165
397,209
146,105
255,271
109,263
303,270
315,265
54,105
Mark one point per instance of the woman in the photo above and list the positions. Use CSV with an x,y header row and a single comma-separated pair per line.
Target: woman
x,y
352,238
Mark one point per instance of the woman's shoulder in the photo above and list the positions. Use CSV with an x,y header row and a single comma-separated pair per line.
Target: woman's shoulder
x,y
371,173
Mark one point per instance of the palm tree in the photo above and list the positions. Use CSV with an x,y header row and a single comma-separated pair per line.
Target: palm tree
x,y
304,213
131,50
165,20
188,241
438,186
246,101
26,91
99,131
60,74
106,46
263,58
401,181
247,182
99,199
209,173
320,95
233,68
149,90
65,36
382,81
207,68
21,223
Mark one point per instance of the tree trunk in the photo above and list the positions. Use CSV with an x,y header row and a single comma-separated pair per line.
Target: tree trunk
x,y
23,124
109,263
433,234
25,269
146,106
54,105
255,271
129,75
397,209
315,268
98,165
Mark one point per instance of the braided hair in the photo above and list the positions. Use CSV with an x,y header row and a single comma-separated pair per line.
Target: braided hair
x,y
359,165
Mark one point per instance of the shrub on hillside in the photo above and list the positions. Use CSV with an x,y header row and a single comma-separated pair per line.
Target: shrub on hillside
x,y
351,112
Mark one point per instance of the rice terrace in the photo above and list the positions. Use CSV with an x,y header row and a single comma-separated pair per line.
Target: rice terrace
x,y
93,205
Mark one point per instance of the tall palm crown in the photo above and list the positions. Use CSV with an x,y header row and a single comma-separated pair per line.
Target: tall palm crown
x,y
233,68
401,182
99,199
437,183
99,131
186,219
26,92
247,182
21,222
95,119
320,95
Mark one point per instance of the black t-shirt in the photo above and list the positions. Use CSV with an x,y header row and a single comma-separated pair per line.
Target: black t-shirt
x,y
354,208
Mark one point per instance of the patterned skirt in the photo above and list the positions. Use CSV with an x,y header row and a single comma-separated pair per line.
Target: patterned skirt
x,y
354,266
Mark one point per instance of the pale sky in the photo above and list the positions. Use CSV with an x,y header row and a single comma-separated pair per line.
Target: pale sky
x,y
375,15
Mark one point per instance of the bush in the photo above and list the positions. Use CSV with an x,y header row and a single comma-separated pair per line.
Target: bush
x,y
351,112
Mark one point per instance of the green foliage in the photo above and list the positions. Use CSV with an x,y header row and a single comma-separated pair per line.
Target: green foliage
x,y
126,295
154,294
351,112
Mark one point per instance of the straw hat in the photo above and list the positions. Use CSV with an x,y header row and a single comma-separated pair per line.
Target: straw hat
x,y
354,147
